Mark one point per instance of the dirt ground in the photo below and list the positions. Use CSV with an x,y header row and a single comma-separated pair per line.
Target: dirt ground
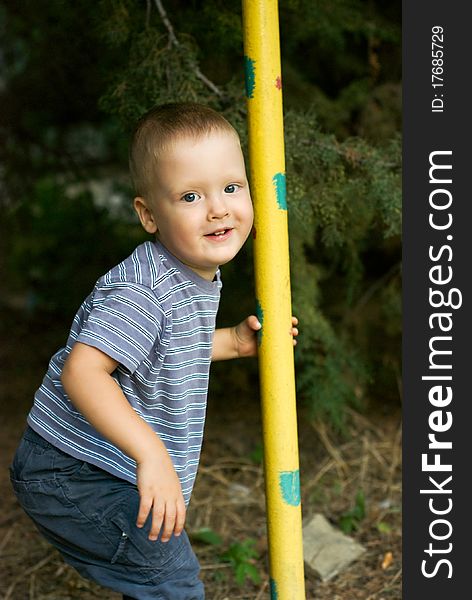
x,y
229,493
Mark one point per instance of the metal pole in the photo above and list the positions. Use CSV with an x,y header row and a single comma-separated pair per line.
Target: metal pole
x,y
271,256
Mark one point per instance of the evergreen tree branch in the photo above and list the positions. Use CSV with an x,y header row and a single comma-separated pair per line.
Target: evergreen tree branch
x,y
173,41
376,286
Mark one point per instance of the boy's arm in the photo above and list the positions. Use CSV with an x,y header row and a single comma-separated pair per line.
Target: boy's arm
x,y
87,380
241,341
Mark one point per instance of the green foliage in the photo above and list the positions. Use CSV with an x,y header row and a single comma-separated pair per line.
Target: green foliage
x,y
350,59
350,520
205,535
345,204
155,73
61,244
242,556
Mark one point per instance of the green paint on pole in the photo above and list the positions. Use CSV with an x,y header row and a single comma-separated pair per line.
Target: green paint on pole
x,y
290,487
280,190
273,590
260,316
249,76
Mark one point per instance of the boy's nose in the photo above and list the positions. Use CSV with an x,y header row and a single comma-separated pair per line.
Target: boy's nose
x,y
218,207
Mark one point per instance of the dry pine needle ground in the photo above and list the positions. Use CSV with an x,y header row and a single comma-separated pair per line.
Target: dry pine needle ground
x,y
228,499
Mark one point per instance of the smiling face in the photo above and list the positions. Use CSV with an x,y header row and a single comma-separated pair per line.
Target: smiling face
x,y
201,205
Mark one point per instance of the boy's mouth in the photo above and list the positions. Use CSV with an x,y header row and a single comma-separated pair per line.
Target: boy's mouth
x,y
220,234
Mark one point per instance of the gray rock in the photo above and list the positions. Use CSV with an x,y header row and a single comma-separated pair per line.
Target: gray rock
x,y
327,550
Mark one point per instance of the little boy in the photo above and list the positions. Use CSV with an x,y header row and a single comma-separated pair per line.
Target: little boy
x,y
107,464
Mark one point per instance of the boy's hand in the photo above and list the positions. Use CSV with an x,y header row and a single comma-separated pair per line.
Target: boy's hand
x,y
245,339
161,495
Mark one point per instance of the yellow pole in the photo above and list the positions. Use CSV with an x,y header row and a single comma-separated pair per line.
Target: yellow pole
x,y
271,256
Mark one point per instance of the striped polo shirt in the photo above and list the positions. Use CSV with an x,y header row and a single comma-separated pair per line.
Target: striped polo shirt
x,y
156,318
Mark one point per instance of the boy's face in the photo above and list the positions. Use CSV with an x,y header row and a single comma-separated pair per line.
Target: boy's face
x,y
201,206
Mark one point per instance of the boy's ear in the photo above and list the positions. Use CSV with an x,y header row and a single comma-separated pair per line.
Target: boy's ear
x,y
145,215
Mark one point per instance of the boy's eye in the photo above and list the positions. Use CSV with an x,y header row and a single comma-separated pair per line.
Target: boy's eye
x,y
231,188
190,197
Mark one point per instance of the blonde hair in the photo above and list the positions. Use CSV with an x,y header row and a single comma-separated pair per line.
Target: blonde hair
x,y
161,126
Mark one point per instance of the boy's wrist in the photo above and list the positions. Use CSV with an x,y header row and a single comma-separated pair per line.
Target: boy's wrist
x,y
235,342
154,451
225,344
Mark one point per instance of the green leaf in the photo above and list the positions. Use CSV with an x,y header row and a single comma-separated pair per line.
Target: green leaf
x,y
360,505
206,536
257,455
240,573
384,527
241,556
253,573
347,524
349,521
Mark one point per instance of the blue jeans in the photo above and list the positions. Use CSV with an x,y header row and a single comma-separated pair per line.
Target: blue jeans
x,y
89,516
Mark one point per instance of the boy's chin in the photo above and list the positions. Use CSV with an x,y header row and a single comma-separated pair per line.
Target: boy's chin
x,y
227,259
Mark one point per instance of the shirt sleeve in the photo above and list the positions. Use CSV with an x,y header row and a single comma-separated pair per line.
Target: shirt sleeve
x,y
125,322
